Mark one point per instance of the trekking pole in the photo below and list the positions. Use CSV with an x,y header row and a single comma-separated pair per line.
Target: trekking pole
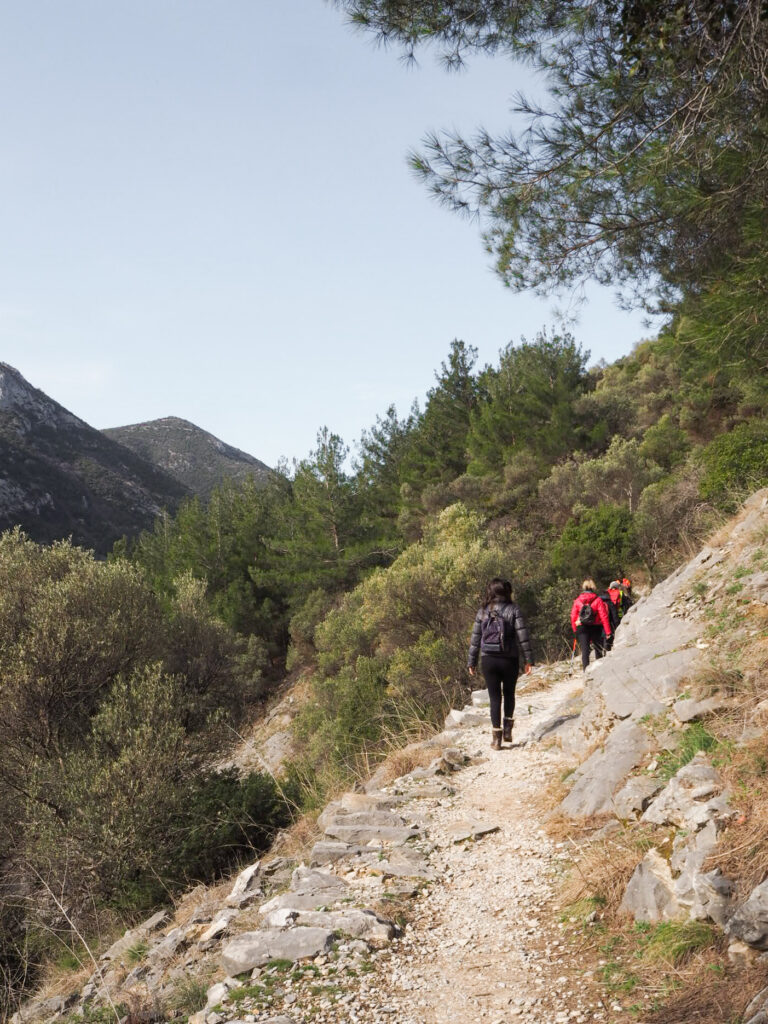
x,y
573,655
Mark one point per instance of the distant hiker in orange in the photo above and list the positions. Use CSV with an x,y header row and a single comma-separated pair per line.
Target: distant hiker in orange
x,y
589,621
498,630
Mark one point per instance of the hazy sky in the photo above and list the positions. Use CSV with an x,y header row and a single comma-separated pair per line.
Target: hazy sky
x,y
206,212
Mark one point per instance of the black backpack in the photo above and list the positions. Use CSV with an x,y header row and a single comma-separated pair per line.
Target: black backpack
x,y
587,615
493,634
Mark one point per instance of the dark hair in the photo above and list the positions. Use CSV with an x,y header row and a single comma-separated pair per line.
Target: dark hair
x,y
498,590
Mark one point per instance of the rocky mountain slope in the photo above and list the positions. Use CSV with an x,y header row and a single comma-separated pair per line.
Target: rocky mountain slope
x,y
59,477
191,455
437,897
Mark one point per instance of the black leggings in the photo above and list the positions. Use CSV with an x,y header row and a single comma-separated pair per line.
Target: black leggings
x,y
500,672
587,635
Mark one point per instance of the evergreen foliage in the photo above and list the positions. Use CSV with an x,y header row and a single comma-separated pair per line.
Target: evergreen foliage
x,y
112,706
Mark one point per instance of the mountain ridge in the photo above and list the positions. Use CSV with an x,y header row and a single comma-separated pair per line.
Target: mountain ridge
x,y
61,477
190,454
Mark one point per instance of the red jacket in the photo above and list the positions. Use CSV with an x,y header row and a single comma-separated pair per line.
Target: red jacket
x,y
601,612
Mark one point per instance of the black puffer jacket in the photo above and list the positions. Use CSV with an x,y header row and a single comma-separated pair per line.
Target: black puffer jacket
x,y
514,617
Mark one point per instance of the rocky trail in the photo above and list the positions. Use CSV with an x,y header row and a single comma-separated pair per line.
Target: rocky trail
x,y
456,848
435,898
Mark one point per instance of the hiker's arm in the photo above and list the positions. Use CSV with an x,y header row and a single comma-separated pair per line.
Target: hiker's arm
x,y
523,637
474,643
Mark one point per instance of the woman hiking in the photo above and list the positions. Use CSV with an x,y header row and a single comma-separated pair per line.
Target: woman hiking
x,y
589,621
498,630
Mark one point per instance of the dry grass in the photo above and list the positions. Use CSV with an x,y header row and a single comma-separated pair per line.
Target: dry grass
x,y
743,848
710,993
297,840
601,872
401,762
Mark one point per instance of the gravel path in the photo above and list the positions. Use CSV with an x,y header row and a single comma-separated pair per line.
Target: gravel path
x,y
484,942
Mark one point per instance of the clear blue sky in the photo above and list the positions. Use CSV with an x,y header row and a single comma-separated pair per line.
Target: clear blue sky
x,y
206,212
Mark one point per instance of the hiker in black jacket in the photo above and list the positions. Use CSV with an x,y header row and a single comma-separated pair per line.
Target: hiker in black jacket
x,y
498,630
613,618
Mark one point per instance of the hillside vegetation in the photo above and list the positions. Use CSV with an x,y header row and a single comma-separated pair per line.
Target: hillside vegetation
x,y
360,570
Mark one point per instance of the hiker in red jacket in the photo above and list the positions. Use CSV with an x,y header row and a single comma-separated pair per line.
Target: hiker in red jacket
x,y
589,621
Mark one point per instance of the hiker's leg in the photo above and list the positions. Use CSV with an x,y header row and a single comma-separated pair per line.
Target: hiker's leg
x,y
582,636
511,672
492,676
598,639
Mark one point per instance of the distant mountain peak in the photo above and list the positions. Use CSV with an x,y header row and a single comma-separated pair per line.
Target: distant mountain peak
x,y
195,457
28,404
60,477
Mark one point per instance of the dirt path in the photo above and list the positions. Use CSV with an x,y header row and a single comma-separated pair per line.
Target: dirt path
x,y
485,943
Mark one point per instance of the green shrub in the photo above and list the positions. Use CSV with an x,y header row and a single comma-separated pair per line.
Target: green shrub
x,y
735,464
112,704
302,628
391,657
598,542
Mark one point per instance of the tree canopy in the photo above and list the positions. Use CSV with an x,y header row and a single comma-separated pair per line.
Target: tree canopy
x,y
649,157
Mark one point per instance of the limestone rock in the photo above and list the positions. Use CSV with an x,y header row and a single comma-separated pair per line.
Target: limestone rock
x,y
362,834
471,829
690,799
254,949
328,851
246,886
757,1011
714,894
216,929
134,935
749,923
592,793
219,991
360,924
689,710
650,893
463,719
309,890
635,795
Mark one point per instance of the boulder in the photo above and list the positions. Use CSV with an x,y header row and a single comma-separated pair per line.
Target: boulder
x,y
690,799
328,851
470,829
757,1011
714,897
403,862
246,886
216,929
689,851
134,935
749,923
362,835
456,719
650,895
255,949
596,779
688,710
310,889
635,795
169,945
359,924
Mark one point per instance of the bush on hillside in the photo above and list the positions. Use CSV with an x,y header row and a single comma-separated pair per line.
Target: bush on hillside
x,y
735,464
597,543
391,657
110,706
671,517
